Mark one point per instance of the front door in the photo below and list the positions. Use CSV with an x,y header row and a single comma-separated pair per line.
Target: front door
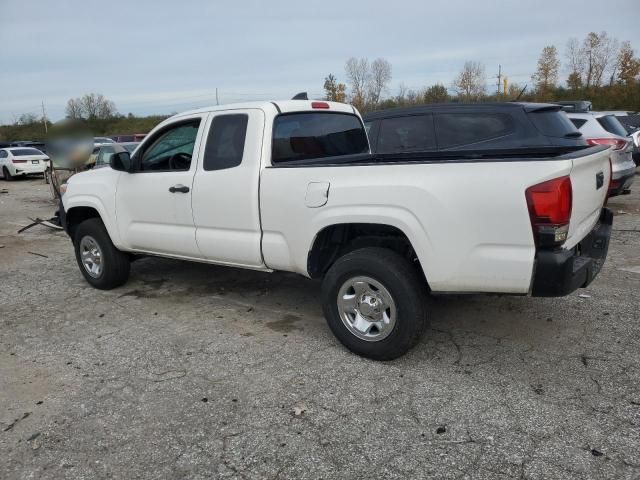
x,y
153,203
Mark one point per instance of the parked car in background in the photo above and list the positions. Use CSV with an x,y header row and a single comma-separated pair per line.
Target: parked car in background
x,y
99,141
480,129
582,106
135,137
605,129
631,123
31,144
292,186
103,156
21,161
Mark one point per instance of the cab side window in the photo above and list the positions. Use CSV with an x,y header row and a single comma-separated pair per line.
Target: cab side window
x,y
225,142
172,149
3,154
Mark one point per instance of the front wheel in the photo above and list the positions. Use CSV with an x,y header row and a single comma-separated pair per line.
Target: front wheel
x,y
374,301
102,264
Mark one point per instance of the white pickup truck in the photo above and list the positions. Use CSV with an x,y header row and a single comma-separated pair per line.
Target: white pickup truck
x,y
292,186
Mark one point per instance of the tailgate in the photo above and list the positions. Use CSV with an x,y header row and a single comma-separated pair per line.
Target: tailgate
x,y
590,174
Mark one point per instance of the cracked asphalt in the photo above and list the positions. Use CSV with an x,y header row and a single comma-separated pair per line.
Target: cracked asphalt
x,y
193,371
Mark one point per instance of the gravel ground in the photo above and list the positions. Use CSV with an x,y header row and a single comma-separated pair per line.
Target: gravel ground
x,y
194,371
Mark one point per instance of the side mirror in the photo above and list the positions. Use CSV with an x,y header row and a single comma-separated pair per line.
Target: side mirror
x,y
120,161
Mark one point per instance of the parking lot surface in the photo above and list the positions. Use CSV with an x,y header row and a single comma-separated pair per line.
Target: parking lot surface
x,y
195,371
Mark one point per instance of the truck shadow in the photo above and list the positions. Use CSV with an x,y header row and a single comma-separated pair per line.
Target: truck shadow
x,y
522,322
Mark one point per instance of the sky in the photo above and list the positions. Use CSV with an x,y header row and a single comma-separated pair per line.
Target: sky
x,y
169,56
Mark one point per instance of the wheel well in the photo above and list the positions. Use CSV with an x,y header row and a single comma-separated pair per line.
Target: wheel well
x,y
77,215
335,240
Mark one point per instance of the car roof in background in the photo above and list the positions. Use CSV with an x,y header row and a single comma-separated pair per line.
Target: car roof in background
x,y
527,106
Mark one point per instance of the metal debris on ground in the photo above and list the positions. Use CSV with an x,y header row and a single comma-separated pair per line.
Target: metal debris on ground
x,y
584,295
53,223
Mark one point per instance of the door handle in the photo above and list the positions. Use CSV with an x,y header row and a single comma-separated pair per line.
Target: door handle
x,y
179,188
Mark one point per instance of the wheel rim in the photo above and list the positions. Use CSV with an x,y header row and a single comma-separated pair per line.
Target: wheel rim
x,y
366,308
91,255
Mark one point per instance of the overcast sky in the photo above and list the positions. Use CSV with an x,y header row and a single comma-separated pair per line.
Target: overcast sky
x,y
167,56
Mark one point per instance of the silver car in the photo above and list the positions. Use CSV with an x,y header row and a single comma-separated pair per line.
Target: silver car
x,y
604,129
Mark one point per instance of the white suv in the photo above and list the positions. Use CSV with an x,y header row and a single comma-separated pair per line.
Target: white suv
x,y
605,129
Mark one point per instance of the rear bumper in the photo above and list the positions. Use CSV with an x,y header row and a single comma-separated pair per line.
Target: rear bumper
x,y
560,272
29,168
622,183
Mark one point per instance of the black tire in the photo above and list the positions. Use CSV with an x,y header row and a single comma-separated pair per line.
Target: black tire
x,y
115,264
6,174
408,291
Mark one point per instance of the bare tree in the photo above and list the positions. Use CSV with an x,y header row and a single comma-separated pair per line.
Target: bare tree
x,y
471,82
26,119
598,55
91,105
379,78
357,71
74,108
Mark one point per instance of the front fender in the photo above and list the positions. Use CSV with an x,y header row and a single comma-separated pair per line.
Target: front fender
x,y
96,203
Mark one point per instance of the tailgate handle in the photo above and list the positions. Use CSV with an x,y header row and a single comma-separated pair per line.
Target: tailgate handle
x,y
599,180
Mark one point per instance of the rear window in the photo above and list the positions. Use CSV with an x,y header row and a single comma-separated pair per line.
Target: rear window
x,y
23,152
578,122
406,134
458,129
225,143
612,125
553,123
301,136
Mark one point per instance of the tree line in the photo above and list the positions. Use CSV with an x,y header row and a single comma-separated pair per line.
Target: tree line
x,y
599,68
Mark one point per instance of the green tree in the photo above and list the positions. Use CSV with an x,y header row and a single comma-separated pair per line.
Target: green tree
x,y
628,66
334,91
435,94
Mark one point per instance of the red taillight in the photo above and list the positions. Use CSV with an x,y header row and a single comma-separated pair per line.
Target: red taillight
x,y
319,105
550,211
18,161
616,143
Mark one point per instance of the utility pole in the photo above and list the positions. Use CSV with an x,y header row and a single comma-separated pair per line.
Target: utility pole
x,y
499,78
217,102
44,118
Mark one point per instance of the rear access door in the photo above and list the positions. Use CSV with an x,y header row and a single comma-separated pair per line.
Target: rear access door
x,y
590,175
225,198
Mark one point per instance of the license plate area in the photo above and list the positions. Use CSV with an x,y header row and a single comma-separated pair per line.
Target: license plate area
x,y
35,162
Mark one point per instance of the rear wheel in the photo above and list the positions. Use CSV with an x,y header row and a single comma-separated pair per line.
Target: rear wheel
x,y
374,301
6,174
102,264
